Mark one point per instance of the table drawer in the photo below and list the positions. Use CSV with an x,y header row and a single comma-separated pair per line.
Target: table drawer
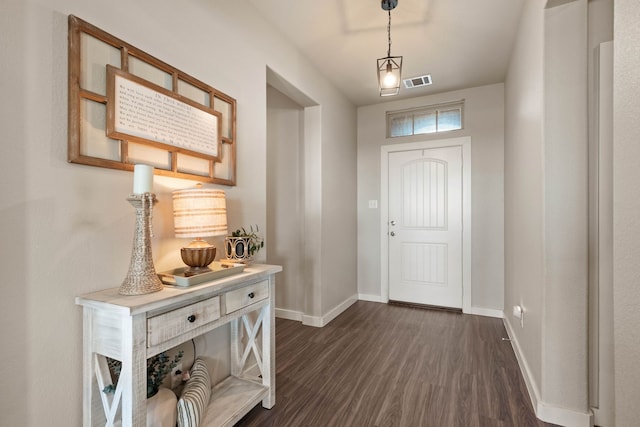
x,y
247,295
169,325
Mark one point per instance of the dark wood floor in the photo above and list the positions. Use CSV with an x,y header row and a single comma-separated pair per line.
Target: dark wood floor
x,y
383,365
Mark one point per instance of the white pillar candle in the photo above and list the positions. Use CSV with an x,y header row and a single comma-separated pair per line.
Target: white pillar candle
x,y
142,179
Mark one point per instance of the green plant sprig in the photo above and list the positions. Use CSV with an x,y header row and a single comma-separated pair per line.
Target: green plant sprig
x,y
158,367
256,242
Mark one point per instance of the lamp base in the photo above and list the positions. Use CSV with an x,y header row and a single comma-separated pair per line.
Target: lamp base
x,y
194,271
198,258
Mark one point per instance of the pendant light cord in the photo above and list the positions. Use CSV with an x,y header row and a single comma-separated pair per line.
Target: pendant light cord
x,y
389,33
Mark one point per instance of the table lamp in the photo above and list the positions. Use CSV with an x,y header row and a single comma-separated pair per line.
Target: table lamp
x,y
197,213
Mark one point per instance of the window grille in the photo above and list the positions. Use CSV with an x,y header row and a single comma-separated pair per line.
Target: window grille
x,y
430,119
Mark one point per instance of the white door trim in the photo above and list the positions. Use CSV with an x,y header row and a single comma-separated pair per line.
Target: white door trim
x,y
465,143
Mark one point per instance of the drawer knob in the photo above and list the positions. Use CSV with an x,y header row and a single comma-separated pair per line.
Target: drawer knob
x,y
191,318
251,295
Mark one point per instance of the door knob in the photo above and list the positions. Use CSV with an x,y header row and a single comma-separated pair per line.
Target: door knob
x,y
393,223
393,233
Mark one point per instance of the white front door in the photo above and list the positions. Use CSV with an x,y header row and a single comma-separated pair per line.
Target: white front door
x,y
425,226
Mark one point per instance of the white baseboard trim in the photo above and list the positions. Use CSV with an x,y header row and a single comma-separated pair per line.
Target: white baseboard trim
x,y
563,416
487,312
478,311
532,388
320,321
371,298
315,321
289,314
544,411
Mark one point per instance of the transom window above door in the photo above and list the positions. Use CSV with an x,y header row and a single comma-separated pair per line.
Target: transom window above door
x,y
430,119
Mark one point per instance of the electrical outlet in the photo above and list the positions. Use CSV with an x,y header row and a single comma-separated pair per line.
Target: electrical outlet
x,y
518,312
176,375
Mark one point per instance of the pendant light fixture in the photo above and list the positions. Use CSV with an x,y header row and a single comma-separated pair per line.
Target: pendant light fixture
x,y
389,67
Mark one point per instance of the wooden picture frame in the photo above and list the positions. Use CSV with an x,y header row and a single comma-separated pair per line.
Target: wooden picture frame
x,y
98,64
138,110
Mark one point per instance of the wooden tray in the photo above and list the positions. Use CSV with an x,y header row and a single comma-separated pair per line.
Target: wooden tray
x,y
176,276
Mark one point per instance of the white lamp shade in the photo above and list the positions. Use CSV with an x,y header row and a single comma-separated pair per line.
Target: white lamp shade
x,y
199,212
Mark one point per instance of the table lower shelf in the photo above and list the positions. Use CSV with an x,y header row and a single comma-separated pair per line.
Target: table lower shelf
x,y
231,399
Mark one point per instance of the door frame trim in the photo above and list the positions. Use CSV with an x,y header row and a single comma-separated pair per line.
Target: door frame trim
x,y
465,144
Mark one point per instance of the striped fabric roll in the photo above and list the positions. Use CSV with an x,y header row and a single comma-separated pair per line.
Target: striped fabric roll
x,y
195,396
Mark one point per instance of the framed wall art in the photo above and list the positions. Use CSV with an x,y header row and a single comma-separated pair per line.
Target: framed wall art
x,y
127,107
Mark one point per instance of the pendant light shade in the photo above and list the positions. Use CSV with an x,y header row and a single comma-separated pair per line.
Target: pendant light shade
x,y
390,67
389,74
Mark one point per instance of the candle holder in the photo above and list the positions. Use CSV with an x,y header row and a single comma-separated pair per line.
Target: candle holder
x,y
142,277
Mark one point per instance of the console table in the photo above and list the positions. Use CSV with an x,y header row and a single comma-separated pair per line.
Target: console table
x,y
132,329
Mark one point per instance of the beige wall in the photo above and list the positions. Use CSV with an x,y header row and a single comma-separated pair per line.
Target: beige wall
x,y
564,380
483,122
546,199
601,389
339,218
626,209
67,229
324,276
524,188
285,198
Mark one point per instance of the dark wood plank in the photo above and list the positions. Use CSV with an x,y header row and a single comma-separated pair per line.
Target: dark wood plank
x,y
383,365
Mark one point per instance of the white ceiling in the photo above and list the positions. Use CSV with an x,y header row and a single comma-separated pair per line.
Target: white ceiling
x,y
461,43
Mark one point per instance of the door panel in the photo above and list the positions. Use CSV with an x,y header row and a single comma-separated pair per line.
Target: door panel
x,y
425,227
425,262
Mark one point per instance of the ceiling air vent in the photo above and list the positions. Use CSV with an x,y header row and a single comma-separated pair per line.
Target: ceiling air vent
x,y
419,81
